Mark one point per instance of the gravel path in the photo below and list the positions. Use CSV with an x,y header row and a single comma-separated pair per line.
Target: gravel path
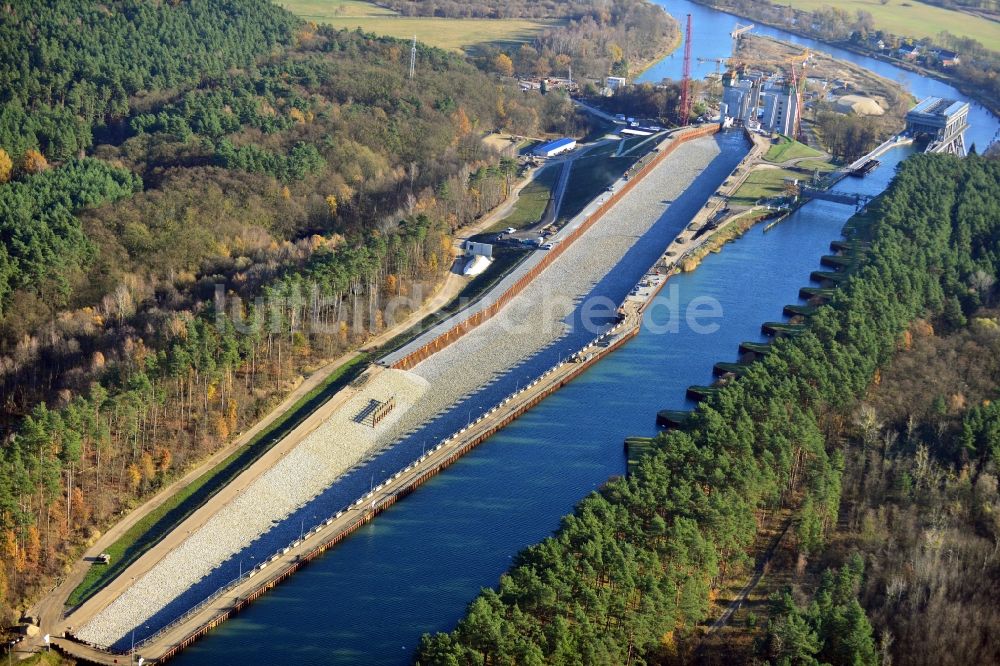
x,y
303,473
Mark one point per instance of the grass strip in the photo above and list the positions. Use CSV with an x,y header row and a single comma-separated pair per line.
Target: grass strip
x,y
789,149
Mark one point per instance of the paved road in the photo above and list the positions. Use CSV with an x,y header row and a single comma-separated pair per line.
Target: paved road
x,y
596,112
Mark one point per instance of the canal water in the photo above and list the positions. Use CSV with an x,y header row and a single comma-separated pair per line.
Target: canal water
x,y
416,567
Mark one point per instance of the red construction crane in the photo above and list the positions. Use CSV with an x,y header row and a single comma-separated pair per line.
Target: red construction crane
x,y
686,77
798,85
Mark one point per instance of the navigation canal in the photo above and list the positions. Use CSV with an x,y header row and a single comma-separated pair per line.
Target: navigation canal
x,y
416,567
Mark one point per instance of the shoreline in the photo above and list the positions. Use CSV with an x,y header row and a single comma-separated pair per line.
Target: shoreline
x,y
285,409
645,66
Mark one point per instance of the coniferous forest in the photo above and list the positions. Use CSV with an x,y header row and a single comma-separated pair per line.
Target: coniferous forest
x,y
632,572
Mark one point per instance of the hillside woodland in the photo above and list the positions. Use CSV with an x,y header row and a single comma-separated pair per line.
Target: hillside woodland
x,y
594,37
157,156
632,572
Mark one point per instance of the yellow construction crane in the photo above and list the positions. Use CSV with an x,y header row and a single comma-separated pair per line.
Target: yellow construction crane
x,y
738,31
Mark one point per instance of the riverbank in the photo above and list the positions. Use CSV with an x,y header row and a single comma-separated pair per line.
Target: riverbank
x,y
645,65
990,103
415,569
147,524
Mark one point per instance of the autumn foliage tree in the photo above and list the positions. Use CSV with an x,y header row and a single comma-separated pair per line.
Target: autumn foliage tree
x,y
34,162
6,166
462,123
503,65
102,311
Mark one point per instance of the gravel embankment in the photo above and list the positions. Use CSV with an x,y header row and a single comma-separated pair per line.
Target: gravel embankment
x,y
535,319
299,476
540,314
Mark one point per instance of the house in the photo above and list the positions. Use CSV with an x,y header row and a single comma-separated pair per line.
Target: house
x,y
616,82
947,58
908,52
875,42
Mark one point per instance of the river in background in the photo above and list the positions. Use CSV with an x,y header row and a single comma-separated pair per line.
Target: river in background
x,y
416,567
710,39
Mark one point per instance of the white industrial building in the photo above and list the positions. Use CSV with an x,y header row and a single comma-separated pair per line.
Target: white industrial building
x,y
759,102
557,147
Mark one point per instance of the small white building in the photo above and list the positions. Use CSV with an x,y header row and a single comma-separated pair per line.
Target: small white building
x,y
615,82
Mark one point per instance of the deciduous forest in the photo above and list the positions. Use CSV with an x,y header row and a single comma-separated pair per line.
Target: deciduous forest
x,y
156,156
633,571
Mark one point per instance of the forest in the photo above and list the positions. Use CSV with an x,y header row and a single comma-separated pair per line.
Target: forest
x,y
596,38
631,574
200,202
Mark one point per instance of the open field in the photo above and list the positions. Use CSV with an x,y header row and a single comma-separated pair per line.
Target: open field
x,y
453,34
763,183
911,18
316,10
532,201
788,149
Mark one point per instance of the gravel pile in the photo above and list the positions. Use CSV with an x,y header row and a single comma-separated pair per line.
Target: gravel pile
x,y
300,475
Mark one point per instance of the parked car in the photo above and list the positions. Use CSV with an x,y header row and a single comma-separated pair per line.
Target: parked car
x,y
546,246
509,230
